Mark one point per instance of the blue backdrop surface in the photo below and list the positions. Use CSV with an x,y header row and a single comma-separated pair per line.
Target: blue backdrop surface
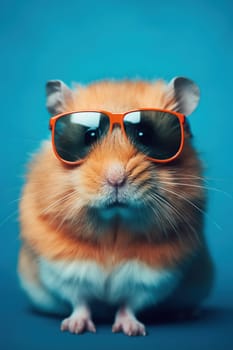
x,y
84,41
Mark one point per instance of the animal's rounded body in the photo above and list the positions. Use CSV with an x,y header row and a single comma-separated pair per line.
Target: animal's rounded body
x,y
117,228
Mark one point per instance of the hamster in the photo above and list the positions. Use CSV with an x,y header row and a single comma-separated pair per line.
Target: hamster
x,y
77,251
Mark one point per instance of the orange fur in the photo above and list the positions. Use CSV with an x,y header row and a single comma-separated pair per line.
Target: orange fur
x,y
118,96
55,225
52,244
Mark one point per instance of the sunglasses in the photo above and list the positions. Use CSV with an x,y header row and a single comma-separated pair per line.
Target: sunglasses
x,y
157,133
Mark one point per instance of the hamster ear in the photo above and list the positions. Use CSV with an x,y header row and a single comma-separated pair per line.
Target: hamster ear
x,y
58,96
186,93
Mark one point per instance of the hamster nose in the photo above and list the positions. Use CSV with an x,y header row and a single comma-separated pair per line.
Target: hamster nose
x,y
116,175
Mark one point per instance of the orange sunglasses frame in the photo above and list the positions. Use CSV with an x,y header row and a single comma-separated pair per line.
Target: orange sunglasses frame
x,y
118,119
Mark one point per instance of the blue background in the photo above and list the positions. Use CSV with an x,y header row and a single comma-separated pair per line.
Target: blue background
x,y
90,40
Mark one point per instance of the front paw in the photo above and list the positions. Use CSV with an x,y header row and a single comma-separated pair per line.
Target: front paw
x,y
127,323
79,322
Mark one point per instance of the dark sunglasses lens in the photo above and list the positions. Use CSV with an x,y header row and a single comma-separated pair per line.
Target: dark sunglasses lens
x,y
76,133
158,134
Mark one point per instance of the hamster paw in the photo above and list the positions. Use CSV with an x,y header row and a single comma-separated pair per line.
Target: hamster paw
x,y
79,322
127,323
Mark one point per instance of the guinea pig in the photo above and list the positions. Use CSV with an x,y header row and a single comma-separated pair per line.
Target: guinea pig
x,y
113,206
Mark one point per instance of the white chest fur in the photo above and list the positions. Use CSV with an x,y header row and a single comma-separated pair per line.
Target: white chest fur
x,y
131,282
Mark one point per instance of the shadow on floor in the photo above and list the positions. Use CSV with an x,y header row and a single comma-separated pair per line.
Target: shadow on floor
x,y
155,316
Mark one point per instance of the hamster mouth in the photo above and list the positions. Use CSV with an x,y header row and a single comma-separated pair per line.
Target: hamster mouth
x,y
129,214
116,204
113,209
123,211
116,199
121,207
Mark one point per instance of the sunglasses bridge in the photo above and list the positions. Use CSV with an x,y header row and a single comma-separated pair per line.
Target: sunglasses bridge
x,y
116,120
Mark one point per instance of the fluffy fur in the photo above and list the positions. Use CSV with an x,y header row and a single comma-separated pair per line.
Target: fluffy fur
x,y
74,249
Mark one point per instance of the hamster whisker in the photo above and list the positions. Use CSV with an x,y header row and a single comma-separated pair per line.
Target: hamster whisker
x,y
61,222
59,201
64,218
187,177
162,203
168,218
209,188
57,215
175,212
192,204
177,175
158,214
8,217
16,200
167,203
73,215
